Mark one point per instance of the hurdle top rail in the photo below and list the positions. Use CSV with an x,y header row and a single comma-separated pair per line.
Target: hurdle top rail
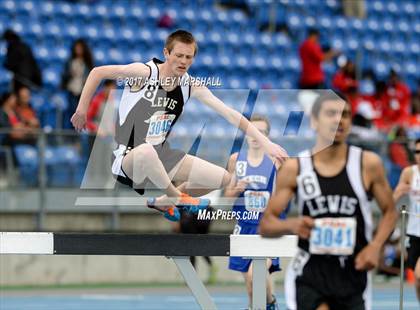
x,y
178,247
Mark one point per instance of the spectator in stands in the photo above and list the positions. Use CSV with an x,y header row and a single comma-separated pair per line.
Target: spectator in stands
x,y
364,132
345,79
312,56
97,107
367,83
166,21
354,8
24,111
75,73
415,101
414,121
379,100
21,62
397,109
10,120
398,148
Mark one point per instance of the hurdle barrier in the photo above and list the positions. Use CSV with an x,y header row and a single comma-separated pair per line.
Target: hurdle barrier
x,y
178,247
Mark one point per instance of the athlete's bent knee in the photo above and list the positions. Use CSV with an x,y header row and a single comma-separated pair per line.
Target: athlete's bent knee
x,y
145,153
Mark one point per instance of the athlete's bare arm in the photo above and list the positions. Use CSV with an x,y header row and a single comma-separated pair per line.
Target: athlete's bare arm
x,y
374,173
204,95
235,187
271,225
94,79
404,184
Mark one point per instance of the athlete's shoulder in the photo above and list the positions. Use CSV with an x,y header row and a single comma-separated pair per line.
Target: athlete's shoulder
x,y
407,172
371,159
290,167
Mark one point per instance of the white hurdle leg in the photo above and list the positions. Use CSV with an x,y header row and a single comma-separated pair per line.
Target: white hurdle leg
x,y
259,283
197,287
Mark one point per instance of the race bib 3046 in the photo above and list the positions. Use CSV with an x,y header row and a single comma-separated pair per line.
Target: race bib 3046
x,y
159,126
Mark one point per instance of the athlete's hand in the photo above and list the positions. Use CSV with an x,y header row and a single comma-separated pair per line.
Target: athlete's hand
x,y
241,186
78,120
302,226
368,257
277,152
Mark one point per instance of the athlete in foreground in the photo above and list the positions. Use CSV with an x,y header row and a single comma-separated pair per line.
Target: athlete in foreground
x,y
333,184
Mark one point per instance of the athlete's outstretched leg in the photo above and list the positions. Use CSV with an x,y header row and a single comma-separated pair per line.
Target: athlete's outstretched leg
x,y
198,177
197,171
143,162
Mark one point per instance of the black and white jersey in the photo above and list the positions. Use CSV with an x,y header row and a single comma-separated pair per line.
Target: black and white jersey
x,y
341,208
341,196
147,114
413,225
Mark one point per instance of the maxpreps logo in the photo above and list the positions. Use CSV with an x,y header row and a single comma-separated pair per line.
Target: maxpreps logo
x,y
206,215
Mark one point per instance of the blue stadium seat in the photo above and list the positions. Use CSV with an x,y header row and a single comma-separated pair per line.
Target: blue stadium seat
x,y
292,62
51,78
252,83
340,23
82,10
325,23
408,8
27,159
8,6
63,165
42,54
294,21
384,45
64,10
414,47
117,10
287,83
391,7
375,7
381,68
373,25
46,8
54,29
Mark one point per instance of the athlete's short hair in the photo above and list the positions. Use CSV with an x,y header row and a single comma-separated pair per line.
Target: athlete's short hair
x,y
261,118
417,141
181,36
329,96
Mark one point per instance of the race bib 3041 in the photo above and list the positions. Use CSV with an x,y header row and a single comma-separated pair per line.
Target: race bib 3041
x,y
334,236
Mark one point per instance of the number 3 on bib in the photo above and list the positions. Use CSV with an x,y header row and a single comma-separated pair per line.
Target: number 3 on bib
x,y
333,236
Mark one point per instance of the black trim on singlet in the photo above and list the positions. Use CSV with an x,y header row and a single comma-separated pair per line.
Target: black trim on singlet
x,y
340,172
156,62
150,73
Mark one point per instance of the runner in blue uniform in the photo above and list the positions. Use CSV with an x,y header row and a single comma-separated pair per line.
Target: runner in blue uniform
x,y
253,181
